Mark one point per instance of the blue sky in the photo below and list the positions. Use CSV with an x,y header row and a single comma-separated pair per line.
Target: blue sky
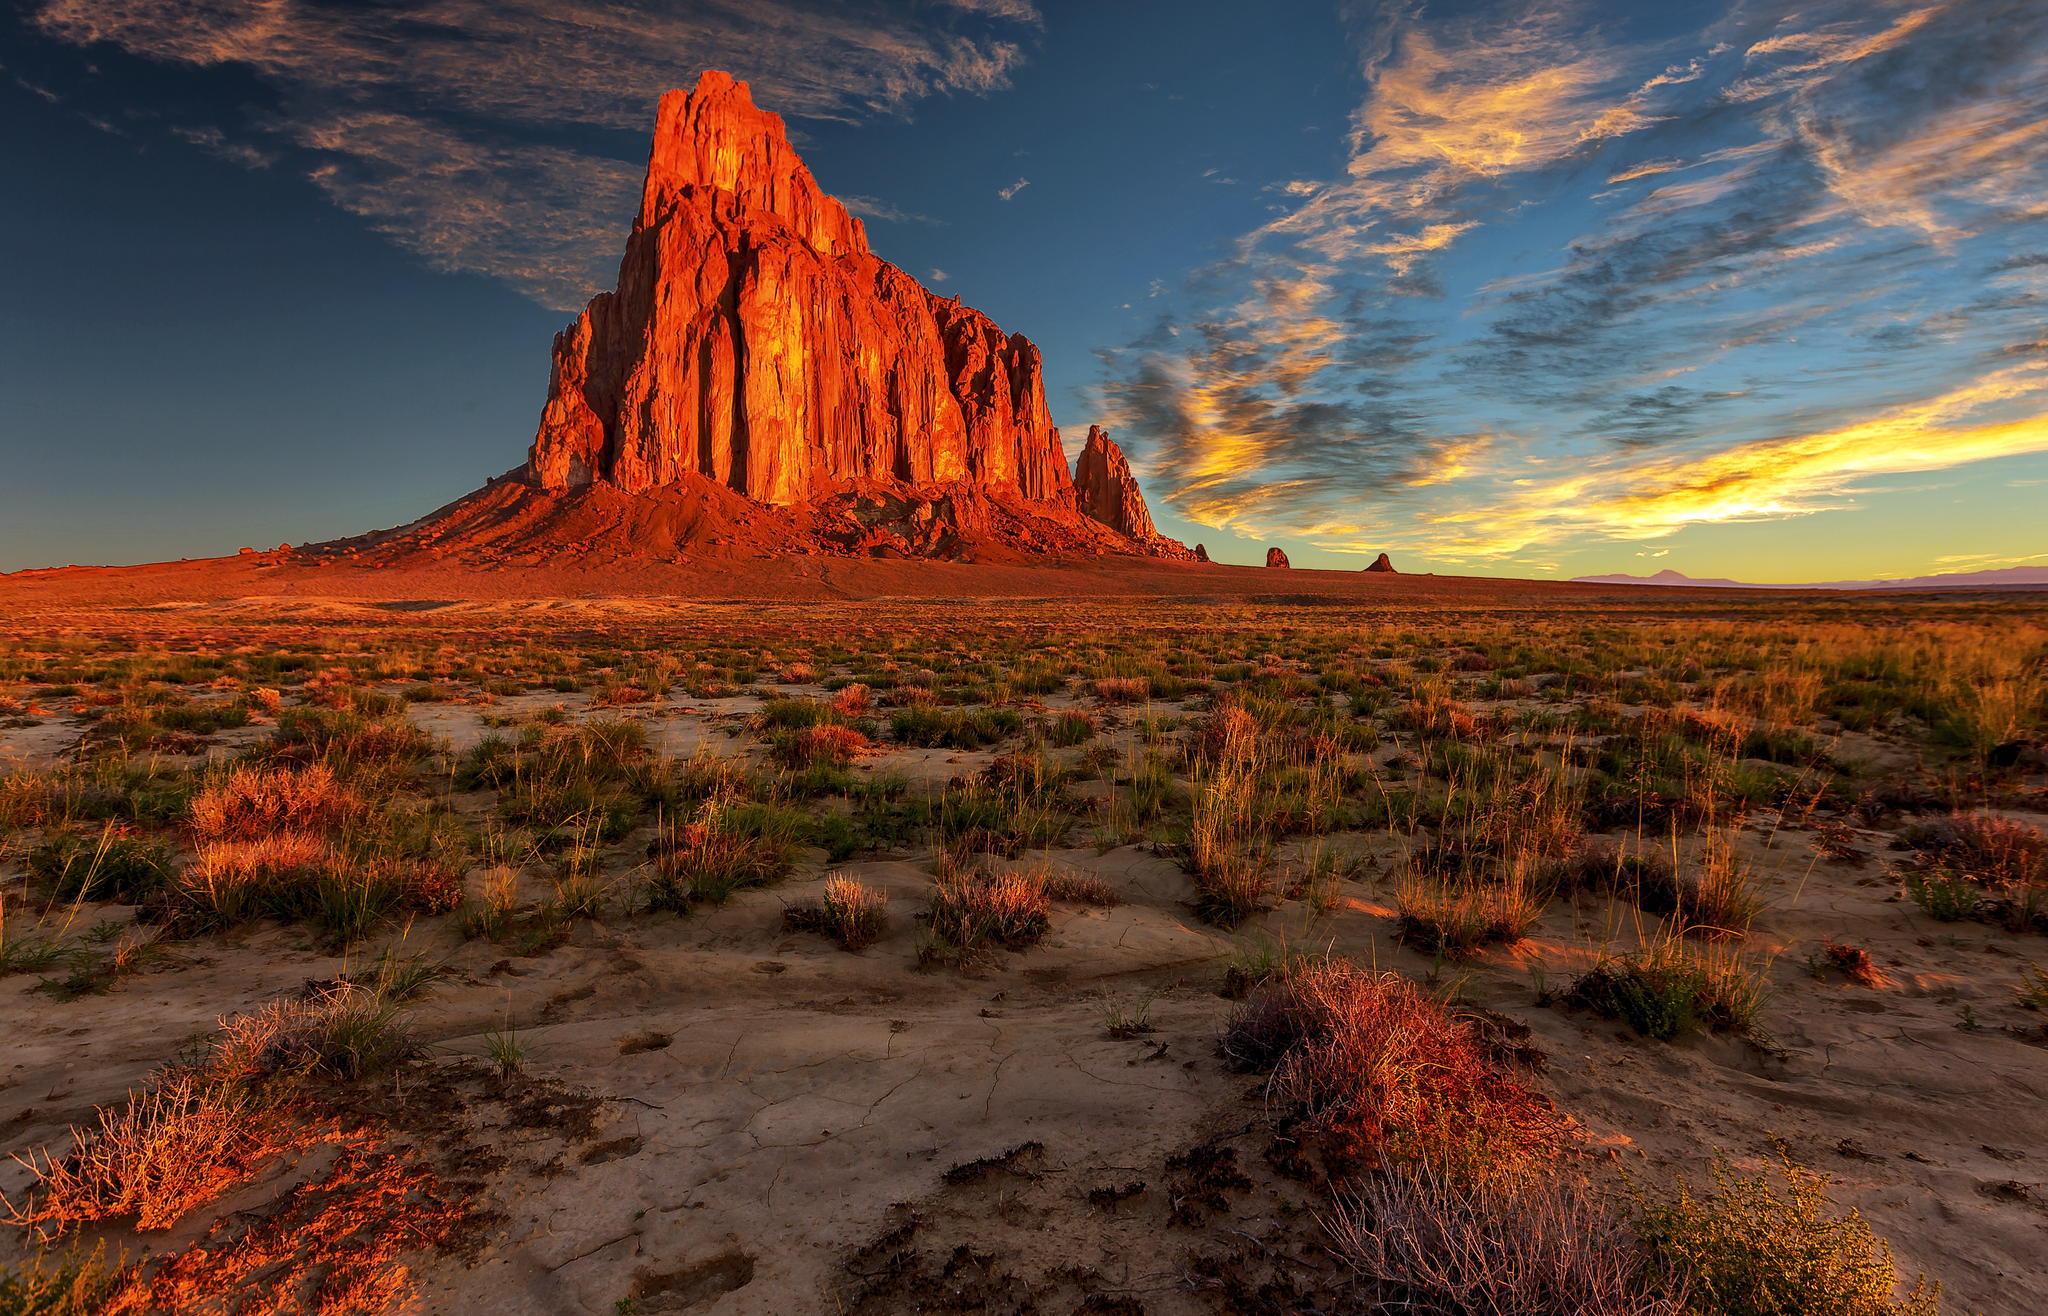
x,y
1522,289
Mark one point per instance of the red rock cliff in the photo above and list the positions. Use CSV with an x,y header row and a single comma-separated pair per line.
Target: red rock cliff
x,y
754,339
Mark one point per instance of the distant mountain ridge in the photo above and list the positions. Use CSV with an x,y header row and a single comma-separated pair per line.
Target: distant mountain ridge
x,y
2002,578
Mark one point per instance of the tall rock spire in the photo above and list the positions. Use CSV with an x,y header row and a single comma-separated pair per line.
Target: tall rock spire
x,y
754,340
1105,488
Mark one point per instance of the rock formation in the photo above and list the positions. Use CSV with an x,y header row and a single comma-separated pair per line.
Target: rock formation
x,y
1201,552
760,384
1106,490
1277,557
1383,563
755,340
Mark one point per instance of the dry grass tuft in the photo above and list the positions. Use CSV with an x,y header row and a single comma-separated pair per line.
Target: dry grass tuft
x,y
850,912
973,910
255,801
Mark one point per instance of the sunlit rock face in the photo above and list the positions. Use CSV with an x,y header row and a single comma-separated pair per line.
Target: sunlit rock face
x,y
753,339
1105,488
1277,557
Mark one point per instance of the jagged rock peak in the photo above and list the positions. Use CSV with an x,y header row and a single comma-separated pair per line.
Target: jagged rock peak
x,y
1106,489
1277,557
714,137
753,340
1201,552
1383,563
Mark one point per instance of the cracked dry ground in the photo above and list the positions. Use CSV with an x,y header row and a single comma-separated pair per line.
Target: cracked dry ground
x,y
767,1124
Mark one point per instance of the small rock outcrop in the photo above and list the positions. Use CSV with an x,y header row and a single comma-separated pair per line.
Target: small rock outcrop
x,y
1106,490
1201,553
1277,557
1384,564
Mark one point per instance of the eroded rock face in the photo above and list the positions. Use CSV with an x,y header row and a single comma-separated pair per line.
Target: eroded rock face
x,y
1106,490
755,340
1383,563
1201,552
1277,557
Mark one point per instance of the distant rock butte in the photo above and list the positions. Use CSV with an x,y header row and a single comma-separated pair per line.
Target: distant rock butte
x,y
1383,563
1277,557
755,344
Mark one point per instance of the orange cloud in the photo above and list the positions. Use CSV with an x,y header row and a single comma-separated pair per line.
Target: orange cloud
x,y
1766,479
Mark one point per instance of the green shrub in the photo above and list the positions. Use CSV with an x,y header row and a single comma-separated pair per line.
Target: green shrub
x,y
111,867
1669,989
1752,1248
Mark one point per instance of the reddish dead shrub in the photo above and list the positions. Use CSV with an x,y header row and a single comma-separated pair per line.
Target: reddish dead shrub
x,y
1378,1072
1544,1246
828,744
1990,850
1121,689
1854,963
169,1149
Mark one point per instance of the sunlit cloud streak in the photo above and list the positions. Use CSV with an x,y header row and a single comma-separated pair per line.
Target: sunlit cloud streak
x,y
447,125
1716,278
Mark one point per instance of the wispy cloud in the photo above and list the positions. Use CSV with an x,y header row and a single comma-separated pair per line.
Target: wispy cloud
x,y
1571,285
473,131
868,207
1013,189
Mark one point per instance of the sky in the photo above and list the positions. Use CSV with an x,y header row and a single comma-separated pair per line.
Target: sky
x,y
1750,290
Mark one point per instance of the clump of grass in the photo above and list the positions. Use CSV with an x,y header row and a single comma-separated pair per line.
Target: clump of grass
x,y
258,800
1073,888
1987,849
1771,1244
1228,856
505,1050
1378,1072
1669,989
1254,962
713,856
1461,919
1943,896
1121,689
954,728
341,1028
28,951
849,911
1072,727
1538,1246
101,959
127,869
2033,988
1720,899
1122,1021
73,1282
825,744
975,910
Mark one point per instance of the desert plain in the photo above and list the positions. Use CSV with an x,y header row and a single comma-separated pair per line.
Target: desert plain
x,y
1070,951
